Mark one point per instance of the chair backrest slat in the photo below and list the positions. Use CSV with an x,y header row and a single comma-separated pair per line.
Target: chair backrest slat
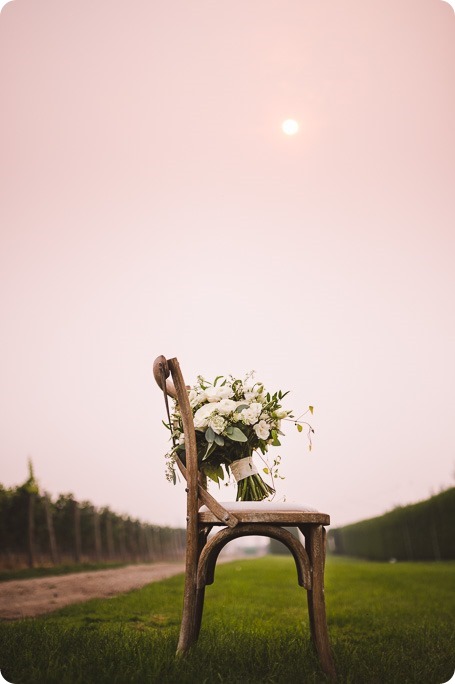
x,y
190,438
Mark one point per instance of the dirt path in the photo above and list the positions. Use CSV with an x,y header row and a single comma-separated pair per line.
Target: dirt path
x,y
28,598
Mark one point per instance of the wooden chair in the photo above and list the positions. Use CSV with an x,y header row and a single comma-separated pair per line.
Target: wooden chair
x,y
239,519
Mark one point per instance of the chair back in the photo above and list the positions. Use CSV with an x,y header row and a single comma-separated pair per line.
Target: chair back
x,y
175,387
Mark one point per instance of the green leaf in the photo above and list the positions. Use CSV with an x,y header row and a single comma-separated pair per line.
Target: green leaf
x,y
310,409
209,435
299,427
215,473
237,435
210,448
276,441
219,440
266,471
241,407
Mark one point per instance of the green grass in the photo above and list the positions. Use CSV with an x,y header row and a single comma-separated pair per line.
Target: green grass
x,y
388,624
31,573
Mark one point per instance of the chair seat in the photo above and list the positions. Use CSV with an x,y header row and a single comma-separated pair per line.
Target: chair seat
x,y
267,512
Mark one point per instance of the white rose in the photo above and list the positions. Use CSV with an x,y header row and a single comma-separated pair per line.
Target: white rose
x,y
217,423
251,414
227,406
218,393
262,429
248,416
202,416
256,407
196,398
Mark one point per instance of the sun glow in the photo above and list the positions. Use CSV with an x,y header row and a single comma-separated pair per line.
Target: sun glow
x,y
290,127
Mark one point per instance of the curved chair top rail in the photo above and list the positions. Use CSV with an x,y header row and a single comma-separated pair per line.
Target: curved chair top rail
x,y
160,369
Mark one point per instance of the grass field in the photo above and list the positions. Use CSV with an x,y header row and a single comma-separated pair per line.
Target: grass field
x,y
389,623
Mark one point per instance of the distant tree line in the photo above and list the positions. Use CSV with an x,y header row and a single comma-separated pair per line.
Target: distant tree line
x,y
421,531
36,531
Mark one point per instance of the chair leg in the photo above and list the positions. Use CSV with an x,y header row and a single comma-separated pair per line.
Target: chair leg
x,y
199,608
193,597
188,632
315,538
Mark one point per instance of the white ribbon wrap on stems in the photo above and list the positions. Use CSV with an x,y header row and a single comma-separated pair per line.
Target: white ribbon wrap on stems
x,y
243,468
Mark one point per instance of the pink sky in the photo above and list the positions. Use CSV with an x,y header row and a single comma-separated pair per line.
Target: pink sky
x,y
150,204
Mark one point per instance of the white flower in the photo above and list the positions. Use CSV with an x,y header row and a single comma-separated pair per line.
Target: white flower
x,y
217,423
251,414
227,406
248,416
262,429
281,413
218,393
196,398
202,416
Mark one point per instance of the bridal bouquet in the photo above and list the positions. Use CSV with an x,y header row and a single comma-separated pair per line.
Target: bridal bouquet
x,y
232,419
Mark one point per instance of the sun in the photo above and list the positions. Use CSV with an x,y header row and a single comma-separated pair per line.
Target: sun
x,y
290,127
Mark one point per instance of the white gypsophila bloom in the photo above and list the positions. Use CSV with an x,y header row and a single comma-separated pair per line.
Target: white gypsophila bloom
x,y
202,415
227,406
262,429
250,394
218,393
217,423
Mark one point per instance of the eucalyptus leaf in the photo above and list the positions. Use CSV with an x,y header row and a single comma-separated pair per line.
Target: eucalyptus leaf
x,y
219,440
209,435
210,449
241,407
237,435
